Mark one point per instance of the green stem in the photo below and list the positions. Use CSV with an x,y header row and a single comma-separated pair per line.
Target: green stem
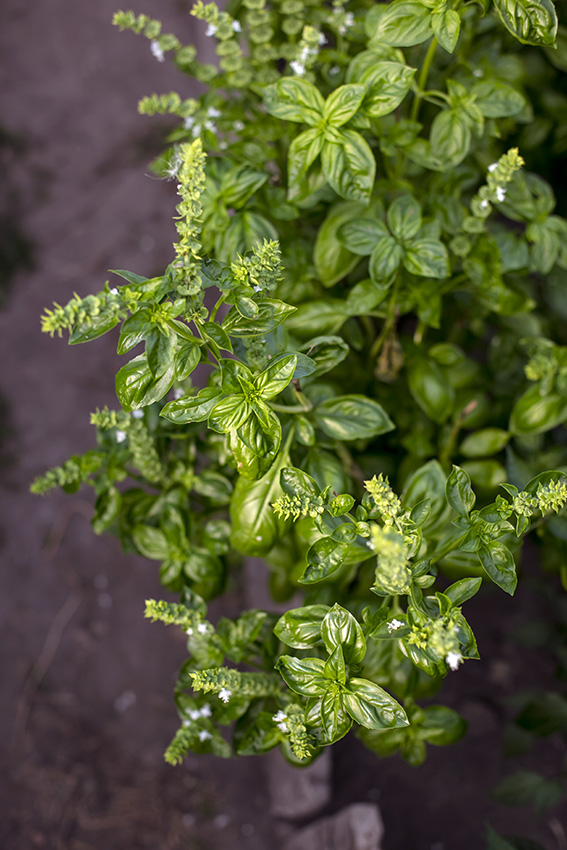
x,y
423,75
302,399
287,408
388,324
449,447
348,462
214,311
419,332
450,546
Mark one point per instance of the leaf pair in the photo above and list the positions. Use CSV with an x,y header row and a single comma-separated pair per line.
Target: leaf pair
x,y
401,241
347,161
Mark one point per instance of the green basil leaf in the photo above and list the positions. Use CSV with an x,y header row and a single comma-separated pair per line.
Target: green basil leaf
x,y
187,358
463,590
229,413
271,313
181,330
324,559
499,563
371,706
429,481
134,330
171,574
294,100
232,374
446,25
295,482
276,376
427,258
324,316
327,719
213,486
383,742
326,470
360,235
255,526
431,389
255,445
301,627
545,478
150,542
335,668
302,153
341,504
385,260
349,166
497,99
332,260
340,629
95,327
136,387
530,21
403,24
545,714
246,230
442,725
524,787
206,570
534,413
256,733
352,417
305,676
342,104
192,408
239,184
485,474
106,509
327,352
488,441
385,630
404,217
459,492
365,296
247,307
160,349
450,137
306,366
387,85
134,278
212,331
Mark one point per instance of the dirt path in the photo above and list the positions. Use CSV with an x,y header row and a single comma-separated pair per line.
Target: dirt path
x,y
97,713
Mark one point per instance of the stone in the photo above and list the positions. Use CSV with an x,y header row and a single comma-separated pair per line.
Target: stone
x,y
357,827
297,792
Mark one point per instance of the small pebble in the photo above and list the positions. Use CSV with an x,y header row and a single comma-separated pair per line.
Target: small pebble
x,y
221,821
147,243
125,701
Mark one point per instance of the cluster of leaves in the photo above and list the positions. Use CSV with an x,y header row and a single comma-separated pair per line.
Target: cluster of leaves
x,y
372,302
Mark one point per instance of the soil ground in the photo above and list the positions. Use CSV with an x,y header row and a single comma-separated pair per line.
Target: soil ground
x,y
85,704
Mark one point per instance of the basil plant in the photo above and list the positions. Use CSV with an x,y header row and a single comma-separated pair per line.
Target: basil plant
x,y
351,368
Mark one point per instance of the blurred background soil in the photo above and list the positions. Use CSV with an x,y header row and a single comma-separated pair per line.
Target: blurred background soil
x,y
86,706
